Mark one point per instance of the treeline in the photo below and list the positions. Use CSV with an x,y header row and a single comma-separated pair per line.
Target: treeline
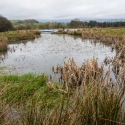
x,y
5,24
81,24
24,22
47,25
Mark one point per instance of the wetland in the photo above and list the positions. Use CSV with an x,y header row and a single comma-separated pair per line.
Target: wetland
x,y
90,70
48,50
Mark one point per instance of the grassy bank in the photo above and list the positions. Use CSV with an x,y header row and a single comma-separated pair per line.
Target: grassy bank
x,y
26,96
119,32
16,36
87,95
108,36
113,37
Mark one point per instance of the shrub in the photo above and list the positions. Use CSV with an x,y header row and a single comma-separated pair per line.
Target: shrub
x,y
5,24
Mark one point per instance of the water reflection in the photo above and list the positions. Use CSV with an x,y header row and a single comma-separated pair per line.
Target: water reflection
x,y
49,50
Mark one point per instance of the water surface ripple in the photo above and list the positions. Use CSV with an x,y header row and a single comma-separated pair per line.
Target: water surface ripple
x,y
48,50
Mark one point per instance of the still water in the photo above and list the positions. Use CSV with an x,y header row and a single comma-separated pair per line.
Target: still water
x,y
48,50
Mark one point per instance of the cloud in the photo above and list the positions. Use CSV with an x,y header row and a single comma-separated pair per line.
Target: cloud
x,y
62,9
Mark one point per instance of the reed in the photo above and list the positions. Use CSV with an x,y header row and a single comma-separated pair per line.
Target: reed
x,y
71,75
3,44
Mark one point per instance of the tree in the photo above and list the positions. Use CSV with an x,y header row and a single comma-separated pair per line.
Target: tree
x,y
5,24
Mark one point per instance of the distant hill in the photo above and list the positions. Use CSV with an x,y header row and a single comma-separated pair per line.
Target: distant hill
x,y
24,22
110,20
84,20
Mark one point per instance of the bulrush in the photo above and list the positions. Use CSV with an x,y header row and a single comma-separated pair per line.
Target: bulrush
x,y
3,43
73,75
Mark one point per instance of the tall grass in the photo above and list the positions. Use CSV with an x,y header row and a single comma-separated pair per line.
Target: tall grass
x,y
33,100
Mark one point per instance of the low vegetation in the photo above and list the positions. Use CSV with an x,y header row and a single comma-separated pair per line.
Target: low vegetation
x,y
109,36
29,95
16,36
86,95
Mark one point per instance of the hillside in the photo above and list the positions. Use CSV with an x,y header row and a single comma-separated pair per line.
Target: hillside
x,y
24,22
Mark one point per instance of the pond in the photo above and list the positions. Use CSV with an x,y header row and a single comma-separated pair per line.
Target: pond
x,y
48,50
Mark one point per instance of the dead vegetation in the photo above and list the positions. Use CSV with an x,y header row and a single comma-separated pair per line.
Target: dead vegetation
x,y
3,44
71,75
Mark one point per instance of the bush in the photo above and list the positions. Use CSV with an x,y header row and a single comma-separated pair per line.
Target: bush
x,y
5,24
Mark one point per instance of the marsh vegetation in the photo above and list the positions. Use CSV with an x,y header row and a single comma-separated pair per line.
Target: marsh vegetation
x,y
34,100
15,37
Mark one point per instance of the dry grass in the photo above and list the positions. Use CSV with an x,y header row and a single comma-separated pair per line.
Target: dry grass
x,y
3,44
88,97
72,75
96,100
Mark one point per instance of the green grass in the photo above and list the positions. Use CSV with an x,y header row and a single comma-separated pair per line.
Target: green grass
x,y
2,68
25,86
19,35
119,32
30,94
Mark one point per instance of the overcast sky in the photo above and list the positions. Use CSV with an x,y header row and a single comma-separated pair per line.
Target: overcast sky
x,y
62,9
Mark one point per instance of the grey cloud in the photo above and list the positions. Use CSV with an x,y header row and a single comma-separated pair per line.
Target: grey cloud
x,y
62,9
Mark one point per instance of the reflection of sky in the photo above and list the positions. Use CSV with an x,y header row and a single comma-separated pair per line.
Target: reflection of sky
x,y
50,50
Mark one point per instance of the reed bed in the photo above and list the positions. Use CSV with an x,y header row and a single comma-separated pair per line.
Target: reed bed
x,y
96,100
71,75
86,96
